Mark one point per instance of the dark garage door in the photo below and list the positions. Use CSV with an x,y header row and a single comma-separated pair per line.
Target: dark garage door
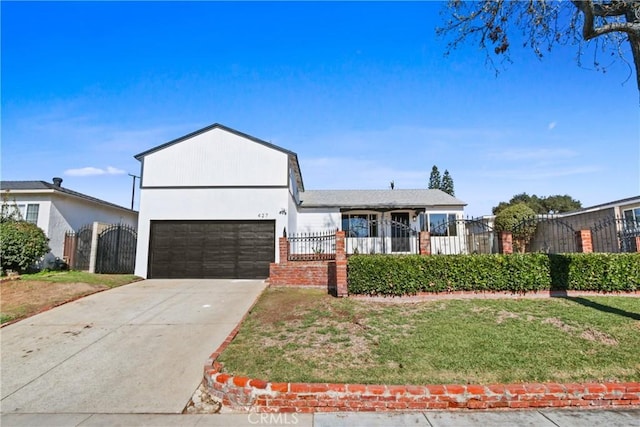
x,y
211,249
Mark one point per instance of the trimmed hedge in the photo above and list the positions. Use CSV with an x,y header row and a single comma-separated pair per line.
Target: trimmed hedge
x,y
409,274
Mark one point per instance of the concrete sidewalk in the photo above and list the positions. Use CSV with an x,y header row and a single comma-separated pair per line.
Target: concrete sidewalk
x,y
139,348
529,418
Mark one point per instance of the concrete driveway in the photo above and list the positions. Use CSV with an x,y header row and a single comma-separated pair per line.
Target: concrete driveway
x,y
139,348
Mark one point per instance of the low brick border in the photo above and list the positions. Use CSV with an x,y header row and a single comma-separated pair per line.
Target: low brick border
x,y
432,296
250,394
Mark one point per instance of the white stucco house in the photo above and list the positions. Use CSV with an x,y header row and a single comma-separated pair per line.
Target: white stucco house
x,y
213,204
57,210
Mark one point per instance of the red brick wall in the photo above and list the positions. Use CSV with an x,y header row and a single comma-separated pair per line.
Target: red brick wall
x,y
303,273
262,396
583,241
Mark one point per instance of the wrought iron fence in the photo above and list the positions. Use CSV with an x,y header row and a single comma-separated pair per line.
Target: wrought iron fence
x,y
83,248
312,246
544,233
381,237
615,235
116,250
463,236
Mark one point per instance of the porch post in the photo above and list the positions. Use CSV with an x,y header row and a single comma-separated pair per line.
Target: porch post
x,y
505,242
424,237
341,266
583,241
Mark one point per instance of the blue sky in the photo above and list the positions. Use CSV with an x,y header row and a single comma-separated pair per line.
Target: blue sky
x,y
362,92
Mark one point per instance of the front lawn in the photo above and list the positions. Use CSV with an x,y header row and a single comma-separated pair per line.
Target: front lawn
x,y
33,293
302,335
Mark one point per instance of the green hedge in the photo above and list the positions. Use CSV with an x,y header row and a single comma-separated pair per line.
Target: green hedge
x,y
410,274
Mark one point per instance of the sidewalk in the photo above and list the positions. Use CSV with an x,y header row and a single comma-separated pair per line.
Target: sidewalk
x,y
529,418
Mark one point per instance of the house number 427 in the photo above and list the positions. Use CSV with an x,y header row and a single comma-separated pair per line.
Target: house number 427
x,y
263,215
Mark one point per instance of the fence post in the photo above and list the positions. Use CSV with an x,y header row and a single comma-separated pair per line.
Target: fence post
x,y
583,241
505,242
283,246
341,266
93,258
424,237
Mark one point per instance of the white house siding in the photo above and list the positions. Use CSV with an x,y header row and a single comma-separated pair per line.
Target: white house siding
x,y
321,219
209,204
42,200
292,216
215,158
70,213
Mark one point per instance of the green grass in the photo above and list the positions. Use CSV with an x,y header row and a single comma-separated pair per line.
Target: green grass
x,y
306,336
33,293
110,280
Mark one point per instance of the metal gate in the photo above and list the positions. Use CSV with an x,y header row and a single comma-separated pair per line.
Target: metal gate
x,y
83,248
615,235
116,250
544,233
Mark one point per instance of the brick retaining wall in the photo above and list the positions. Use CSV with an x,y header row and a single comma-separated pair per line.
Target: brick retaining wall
x,y
242,393
304,273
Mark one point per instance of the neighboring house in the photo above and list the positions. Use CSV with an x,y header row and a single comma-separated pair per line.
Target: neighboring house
x,y
614,225
57,210
214,202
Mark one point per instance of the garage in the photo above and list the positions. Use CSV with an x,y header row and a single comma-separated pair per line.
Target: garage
x,y
211,249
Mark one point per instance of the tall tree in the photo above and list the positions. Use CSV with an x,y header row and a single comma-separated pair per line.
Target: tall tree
x,y
541,205
559,204
447,183
612,25
434,178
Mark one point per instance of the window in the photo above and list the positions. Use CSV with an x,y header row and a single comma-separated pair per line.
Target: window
x,y
29,212
632,217
439,224
360,225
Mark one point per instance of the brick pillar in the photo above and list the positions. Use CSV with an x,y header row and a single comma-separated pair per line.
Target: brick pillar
x,y
505,242
424,237
341,266
283,246
637,243
583,241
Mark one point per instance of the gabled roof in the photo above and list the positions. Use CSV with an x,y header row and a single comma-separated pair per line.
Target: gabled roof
x,y
46,187
628,200
293,157
378,199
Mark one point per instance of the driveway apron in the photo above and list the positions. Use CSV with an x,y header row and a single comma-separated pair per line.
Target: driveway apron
x,y
139,348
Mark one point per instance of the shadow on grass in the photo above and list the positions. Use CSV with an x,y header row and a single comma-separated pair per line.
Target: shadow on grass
x,y
604,308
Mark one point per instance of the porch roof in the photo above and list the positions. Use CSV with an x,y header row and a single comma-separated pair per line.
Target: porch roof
x,y
378,199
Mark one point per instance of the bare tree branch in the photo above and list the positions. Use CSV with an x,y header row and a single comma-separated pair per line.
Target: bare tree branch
x,y
610,24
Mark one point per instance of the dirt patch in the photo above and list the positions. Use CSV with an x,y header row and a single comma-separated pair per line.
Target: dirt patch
x,y
23,298
559,324
597,336
504,315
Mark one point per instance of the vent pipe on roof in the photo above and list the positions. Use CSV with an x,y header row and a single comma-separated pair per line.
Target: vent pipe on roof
x,y
57,181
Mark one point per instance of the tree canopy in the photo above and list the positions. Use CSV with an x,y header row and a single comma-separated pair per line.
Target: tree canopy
x,y
444,182
519,219
434,178
542,205
612,25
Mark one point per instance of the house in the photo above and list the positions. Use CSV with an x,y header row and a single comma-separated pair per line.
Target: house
x,y
214,202
614,225
57,209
